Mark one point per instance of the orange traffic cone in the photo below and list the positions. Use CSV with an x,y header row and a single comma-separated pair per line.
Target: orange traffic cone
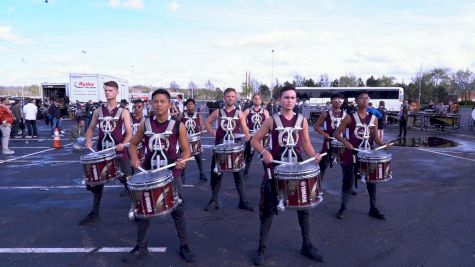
x,y
56,139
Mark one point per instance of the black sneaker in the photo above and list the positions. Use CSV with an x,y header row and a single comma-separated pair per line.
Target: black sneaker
x,y
376,214
353,192
203,177
259,258
212,205
124,193
186,254
311,252
244,205
339,214
90,218
135,254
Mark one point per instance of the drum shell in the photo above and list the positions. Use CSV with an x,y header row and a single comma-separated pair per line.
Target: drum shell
x,y
153,198
141,152
298,186
338,150
375,166
195,144
229,157
100,168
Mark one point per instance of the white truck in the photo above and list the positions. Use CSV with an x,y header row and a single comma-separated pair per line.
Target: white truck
x,y
85,87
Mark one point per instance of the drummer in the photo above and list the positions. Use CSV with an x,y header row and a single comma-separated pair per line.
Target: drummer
x,y
268,204
229,110
159,123
191,118
355,139
255,116
113,132
331,119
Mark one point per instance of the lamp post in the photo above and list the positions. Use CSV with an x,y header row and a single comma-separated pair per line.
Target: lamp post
x,y
272,76
420,87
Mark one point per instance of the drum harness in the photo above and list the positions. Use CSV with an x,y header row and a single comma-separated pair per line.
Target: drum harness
x,y
135,126
256,120
364,144
227,124
335,122
287,140
107,124
190,123
158,142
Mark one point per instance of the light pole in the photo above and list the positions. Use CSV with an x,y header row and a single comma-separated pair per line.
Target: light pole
x,y
23,86
420,87
272,77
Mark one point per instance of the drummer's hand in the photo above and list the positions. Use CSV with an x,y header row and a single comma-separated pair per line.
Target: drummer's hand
x,y
350,147
88,144
326,136
119,147
180,164
387,145
135,163
267,157
317,157
247,137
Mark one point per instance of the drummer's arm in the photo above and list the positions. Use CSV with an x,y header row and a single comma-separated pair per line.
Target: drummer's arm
x,y
266,113
184,146
374,134
318,124
136,140
90,130
266,127
307,145
244,128
127,125
210,120
200,118
338,132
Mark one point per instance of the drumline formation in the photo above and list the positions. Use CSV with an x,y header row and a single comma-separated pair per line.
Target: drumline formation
x,y
160,145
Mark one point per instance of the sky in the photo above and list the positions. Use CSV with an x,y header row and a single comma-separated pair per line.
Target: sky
x,y
155,42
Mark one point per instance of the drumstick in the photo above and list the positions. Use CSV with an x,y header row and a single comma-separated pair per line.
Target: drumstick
x,y
142,169
312,159
280,162
361,150
204,131
93,151
384,146
110,148
172,165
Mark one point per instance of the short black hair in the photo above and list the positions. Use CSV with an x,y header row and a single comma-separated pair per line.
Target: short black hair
x,y
288,87
161,92
112,84
360,92
137,101
337,95
190,100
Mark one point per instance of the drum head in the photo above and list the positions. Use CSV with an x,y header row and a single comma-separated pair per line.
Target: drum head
x,y
233,147
98,156
150,179
374,155
337,143
296,171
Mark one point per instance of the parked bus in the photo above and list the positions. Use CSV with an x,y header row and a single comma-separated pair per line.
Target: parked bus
x,y
319,96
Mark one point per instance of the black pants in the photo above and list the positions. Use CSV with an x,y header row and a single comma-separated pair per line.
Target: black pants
x,y
216,183
268,209
15,127
348,180
324,165
402,127
199,162
31,124
98,189
178,215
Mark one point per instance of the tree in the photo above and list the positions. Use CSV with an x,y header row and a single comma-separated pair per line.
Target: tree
x,y
209,85
386,81
324,80
309,83
264,91
298,80
334,83
440,76
192,87
246,90
348,81
463,82
372,82
360,82
174,86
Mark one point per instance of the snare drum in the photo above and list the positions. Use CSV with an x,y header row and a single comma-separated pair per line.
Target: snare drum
x,y
338,149
195,144
100,167
153,194
374,165
229,157
298,185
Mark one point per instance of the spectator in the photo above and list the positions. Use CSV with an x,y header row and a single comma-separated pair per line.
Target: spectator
x,y
17,118
6,120
179,104
374,111
384,119
78,135
30,111
78,114
88,114
55,114
403,115
305,109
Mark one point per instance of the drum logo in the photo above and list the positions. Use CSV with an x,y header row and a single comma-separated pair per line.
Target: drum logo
x,y
135,127
288,137
158,142
303,191
228,124
94,172
148,202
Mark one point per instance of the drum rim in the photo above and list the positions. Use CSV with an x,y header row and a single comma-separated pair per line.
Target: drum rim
x,y
224,148
164,180
374,156
165,212
194,138
390,176
100,157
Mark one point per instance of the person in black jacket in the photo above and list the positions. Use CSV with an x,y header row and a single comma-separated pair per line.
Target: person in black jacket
x,y
54,113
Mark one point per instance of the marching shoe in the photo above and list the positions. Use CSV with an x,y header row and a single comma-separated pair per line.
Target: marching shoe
x,y
311,252
90,218
212,205
135,254
339,214
259,258
186,254
376,214
244,205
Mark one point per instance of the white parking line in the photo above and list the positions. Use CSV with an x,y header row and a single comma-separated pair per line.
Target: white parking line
x,y
46,188
29,147
45,161
445,154
77,250
27,155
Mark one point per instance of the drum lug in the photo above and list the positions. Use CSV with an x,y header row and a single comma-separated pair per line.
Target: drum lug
x,y
281,206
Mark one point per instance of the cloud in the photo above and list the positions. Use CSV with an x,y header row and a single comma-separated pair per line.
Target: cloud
x,y
7,35
269,38
2,49
131,4
173,6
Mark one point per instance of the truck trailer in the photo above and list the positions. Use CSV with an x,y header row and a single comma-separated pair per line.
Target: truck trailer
x,y
85,87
